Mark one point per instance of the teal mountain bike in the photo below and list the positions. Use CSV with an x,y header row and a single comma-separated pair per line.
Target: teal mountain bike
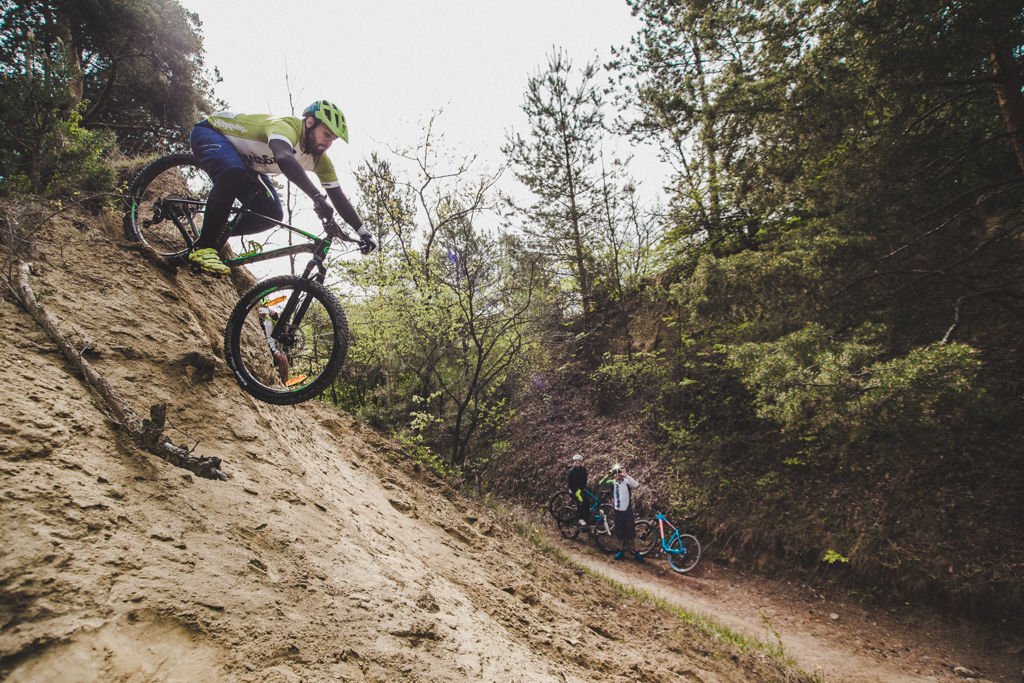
x,y
600,521
287,337
660,535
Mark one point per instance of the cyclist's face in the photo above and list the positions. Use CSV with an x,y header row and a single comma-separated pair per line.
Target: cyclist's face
x,y
322,138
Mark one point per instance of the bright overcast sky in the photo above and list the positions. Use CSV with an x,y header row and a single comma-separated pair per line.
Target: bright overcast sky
x,y
390,64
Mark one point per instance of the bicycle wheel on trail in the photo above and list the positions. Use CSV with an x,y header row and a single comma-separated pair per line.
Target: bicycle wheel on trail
x,y
683,553
166,203
295,316
647,538
560,500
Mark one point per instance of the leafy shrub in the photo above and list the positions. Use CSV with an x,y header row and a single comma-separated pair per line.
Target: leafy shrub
x,y
622,377
845,390
43,151
76,161
417,450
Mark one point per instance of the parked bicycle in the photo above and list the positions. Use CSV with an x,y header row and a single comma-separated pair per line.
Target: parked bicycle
x,y
564,498
165,211
660,535
600,522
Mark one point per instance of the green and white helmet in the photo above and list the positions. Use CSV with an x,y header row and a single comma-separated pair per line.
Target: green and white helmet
x,y
329,115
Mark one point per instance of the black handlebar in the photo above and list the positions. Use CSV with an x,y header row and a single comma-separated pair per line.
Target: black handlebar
x,y
334,230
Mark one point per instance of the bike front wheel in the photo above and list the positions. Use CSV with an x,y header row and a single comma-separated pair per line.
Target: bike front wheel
x,y
286,340
560,500
683,553
166,203
567,521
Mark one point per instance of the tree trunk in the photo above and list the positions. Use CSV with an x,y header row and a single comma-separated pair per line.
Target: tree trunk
x,y
1011,101
74,64
577,237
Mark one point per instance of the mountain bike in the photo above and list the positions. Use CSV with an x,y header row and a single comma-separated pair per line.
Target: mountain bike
x,y
565,497
600,523
683,550
306,323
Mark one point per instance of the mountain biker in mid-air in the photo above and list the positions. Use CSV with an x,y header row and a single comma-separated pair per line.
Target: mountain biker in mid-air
x,y
239,150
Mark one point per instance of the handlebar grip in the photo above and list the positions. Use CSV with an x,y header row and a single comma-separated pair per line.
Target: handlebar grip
x,y
336,231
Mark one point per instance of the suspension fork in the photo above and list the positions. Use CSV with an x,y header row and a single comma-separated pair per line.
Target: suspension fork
x,y
294,311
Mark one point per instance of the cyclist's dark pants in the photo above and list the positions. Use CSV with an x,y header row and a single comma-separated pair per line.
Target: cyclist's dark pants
x,y
232,180
582,508
625,526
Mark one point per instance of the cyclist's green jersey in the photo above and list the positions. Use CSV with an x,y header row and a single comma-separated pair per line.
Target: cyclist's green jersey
x,y
251,134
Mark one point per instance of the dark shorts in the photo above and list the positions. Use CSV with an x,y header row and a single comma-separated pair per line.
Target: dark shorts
x,y
625,524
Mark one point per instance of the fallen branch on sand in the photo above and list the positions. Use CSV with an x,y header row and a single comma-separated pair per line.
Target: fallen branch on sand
x,y
148,434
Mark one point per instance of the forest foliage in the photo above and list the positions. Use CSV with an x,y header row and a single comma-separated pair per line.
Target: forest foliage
x,y
81,78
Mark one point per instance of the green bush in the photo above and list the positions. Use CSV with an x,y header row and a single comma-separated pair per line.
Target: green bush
x,y
43,147
845,391
76,161
622,377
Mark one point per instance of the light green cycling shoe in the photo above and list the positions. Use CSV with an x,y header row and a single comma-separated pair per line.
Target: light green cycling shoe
x,y
209,261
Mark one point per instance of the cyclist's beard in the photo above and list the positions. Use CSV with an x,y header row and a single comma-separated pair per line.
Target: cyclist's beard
x,y
308,145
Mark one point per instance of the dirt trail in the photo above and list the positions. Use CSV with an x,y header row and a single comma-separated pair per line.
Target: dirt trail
x,y
837,641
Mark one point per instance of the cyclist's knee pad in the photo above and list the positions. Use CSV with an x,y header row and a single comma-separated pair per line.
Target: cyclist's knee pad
x,y
262,198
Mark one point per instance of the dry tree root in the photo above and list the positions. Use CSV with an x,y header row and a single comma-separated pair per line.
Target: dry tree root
x,y
148,434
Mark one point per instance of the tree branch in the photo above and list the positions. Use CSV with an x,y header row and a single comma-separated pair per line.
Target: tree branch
x,y
147,434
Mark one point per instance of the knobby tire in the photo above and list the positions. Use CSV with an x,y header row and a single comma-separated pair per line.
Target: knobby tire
x,y
252,363
560,500
170,228
568,522
685,561
646,536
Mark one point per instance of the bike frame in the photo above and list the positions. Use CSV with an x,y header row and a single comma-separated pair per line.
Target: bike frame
x,y
595,507
317,247
595,503
662,523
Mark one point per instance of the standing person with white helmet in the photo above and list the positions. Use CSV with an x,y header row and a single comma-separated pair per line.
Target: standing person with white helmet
x,y
577,484
625,521
239,150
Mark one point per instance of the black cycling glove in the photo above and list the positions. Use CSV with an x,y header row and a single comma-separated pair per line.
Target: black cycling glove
x,y
366,243
322,208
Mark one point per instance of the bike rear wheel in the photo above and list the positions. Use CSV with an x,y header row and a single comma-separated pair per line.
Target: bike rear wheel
x,y
603,528
311,331
646,536
683,553
166,204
